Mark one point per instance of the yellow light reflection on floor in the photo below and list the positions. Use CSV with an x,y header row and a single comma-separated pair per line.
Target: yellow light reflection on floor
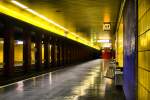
x,y
85,85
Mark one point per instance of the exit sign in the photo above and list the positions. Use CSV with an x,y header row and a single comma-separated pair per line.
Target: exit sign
x,y
106,27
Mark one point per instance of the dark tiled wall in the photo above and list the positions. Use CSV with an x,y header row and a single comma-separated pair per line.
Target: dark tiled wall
x,y
130,32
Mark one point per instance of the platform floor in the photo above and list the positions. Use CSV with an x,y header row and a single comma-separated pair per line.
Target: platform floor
x,y
85,81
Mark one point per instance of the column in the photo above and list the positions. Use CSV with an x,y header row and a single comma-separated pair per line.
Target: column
x,y
70,59
46,52
67,55
53,52
70,54
38,52
8,52
63,55
58,53
73,54
26,51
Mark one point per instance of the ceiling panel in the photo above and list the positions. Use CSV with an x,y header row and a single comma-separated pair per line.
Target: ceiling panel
x,y
84,16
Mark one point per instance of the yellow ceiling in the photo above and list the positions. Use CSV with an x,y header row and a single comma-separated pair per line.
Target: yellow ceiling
x,y
80,17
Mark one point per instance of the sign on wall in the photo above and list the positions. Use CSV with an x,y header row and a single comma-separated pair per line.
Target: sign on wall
x,y
106,27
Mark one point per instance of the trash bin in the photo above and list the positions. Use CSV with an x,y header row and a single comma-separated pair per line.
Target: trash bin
x,y
110,71
118,78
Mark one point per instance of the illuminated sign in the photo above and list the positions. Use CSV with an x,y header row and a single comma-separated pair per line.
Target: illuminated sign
x,y
103,41
106,27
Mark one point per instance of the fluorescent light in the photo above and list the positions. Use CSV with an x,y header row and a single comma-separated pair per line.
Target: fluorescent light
x,y
1,42
32,11
84,41
103,41
19,42
75,34
34,45
19,4
37,14
45,18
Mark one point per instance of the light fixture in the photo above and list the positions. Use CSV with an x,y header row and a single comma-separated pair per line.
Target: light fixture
x,y
1,42
33,44
44,18
19,42
19,4
103,41
37,14
71,35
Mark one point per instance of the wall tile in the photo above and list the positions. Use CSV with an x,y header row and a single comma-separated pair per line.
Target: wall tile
x,y
144,47
148,18
148,39
149,81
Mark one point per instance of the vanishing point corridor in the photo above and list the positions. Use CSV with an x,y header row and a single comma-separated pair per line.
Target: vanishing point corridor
x,y
84,81
74,49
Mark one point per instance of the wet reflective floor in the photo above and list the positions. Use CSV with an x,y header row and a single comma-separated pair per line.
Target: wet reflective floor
x,y
85,81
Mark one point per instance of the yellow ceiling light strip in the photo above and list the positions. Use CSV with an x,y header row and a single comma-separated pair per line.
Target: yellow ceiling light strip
x,y
37,14
30,16
19,4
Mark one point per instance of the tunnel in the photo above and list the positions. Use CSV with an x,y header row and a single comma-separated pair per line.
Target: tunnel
x,y
74,50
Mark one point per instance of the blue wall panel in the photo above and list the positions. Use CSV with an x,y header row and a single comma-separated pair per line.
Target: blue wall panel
x,y
130,32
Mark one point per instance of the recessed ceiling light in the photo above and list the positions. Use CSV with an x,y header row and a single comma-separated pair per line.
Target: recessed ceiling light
x,y
103,41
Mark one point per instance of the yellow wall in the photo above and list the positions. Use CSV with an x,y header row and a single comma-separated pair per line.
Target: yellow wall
x,y
1,55
18,53
32,53
143,49
42,53
119,44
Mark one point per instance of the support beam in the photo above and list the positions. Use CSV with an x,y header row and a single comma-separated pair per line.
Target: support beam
x,y
53,52
26,51
58,53
38,52
63,55
46,52
67,55
8,52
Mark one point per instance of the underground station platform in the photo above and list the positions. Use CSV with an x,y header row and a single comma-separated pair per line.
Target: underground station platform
x,y
83,81
74,50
